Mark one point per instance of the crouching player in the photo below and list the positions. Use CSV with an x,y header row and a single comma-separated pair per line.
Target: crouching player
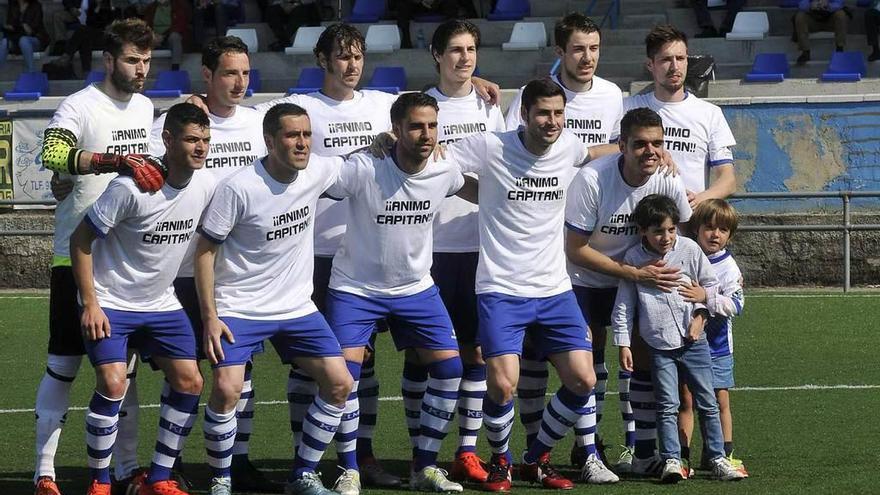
x,y
125,291
253,270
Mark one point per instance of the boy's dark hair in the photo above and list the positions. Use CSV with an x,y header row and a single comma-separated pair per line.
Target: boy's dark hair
x,y
450,28
638,118
653,210
219,46
345,35
660,35
540,88
574,21
183,114
272,120
124,31
401,107
715,212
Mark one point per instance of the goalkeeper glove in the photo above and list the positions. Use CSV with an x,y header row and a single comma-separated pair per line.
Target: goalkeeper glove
x,y
148,172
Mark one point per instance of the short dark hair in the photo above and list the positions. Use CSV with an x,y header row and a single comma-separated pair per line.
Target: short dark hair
x,y
401,107
123,31
272,120
450,28
715,212
574,21
660,35
638,118
653,210
183,114
219,46
345,35
540,88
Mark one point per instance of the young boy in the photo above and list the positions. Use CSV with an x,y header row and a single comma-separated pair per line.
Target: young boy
x,y
673,329
714,223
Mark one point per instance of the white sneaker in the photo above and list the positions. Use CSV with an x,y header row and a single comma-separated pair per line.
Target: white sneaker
x,y
309,484
433,479
651,466
594,472
348,483
625,461
221,486
724,470
673,472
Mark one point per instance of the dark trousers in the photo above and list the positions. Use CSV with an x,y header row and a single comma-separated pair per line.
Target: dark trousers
x,y
284,24
872,27
704,18
407,9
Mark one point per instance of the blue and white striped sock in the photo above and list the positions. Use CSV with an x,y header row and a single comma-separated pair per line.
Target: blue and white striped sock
x,y
320,425
346,434
244,414
368,400
531,395
177,414
438,409
561,413
102,422
601,387
412,388
644,413
585,427
626,410
301,392
498,420
219,431
470,406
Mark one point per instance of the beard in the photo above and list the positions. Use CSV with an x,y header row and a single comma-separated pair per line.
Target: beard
x,y
126,85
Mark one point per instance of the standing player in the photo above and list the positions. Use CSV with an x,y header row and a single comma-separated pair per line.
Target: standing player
x,y
125,254
97,130
699,140
259,288
236,141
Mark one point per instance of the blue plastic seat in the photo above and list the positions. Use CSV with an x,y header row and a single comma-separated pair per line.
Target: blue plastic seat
x,y
310,79
255,84
388,79
94,76
510,10
170,84
845,67
367,11
788,4
29,86
769,67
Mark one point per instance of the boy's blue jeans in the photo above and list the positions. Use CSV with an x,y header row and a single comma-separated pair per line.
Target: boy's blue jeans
x,y
694,363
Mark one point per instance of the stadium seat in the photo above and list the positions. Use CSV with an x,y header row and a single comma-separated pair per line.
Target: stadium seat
x,y
429,18
94,76
769,67
170,84
845,67
788,4
310,79
29,86
367,11
305,40
716,3
249,36
255,84
510,10
526,36
383,38
750,26
388,79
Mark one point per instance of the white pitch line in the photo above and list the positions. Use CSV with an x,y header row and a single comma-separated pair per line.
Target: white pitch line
x,y
399,398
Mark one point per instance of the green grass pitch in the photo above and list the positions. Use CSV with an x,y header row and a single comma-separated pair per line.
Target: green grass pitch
x,y
805,413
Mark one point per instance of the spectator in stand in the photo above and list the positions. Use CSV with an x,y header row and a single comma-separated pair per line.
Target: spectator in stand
x,y
170,21
23,31
407,9
707,25
84,39
286,16
220,11
819,15
872,27
64,23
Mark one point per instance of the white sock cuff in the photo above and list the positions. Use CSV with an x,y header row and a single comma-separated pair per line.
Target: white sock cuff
x,y
66,366
219,417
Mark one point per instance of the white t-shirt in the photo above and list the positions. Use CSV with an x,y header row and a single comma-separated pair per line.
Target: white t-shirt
x,y
600,204
522,209
265,262
593,115
455,225
338,128
386,250
696,134
101,125
236,141
145,238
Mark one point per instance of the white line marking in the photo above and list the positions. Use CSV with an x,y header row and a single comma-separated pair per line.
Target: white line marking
x,y
399,398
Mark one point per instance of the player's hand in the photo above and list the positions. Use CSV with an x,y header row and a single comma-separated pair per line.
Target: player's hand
x,y
626,359
382,144
61,188
196,99
693,293
692,199
658,275
488,91
695,329
667,164
148,172
214,331
94,323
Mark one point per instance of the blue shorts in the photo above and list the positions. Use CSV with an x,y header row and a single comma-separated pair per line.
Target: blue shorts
x,y
306,336
164,333
416,321
555,324
597,304
722,372
455,275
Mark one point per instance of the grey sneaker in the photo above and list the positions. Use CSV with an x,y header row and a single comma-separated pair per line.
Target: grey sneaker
x,y
221,486
348,483
309,484
625,461
652,466
724,470
595,472
433,479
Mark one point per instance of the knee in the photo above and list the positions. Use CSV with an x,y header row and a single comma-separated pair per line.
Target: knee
x,y
189,382
112,384
340,389
501,391
226,391
583,384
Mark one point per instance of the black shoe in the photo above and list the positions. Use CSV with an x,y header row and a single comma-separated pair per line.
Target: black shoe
x,y
804,58
247,478
874,56
708,32
129,485
577,457
373,475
